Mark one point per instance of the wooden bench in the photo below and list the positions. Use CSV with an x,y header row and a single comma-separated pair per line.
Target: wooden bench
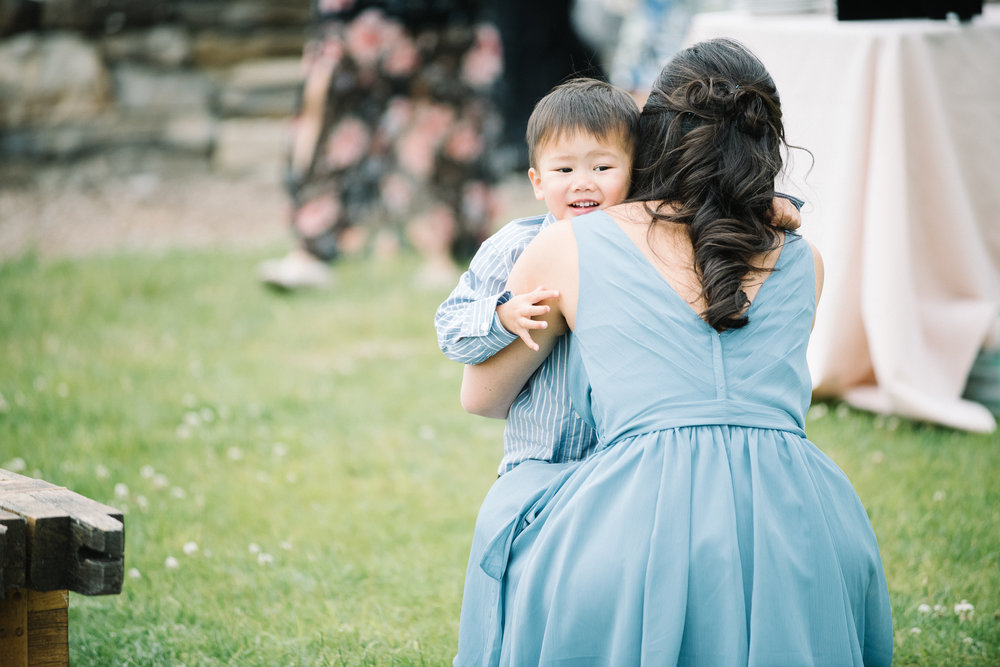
x,y
52,541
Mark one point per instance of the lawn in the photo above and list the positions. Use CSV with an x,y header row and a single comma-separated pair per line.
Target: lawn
x,y
300,484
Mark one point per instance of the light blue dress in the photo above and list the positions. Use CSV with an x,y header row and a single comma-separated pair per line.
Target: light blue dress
x,y
708,530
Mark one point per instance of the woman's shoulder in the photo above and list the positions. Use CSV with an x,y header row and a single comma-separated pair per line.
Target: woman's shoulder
x,y
803,253
796,244
557,232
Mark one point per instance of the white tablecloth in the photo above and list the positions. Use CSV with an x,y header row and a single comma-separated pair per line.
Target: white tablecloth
x,y
903,118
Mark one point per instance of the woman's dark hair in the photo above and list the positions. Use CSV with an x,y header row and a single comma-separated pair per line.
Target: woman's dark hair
x,y
709,149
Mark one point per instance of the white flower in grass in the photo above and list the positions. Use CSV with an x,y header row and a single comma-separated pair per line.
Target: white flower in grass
x,y
190,548
16,465
101,471
121,490
177,492
264,559
964,610
291,478
184,432
234,453
142,502
171,563
914,631
967,640
40,383
939,609
160,481
924,608
192,419
134,573
426,432
207,415
939,496
279,449
843,411
892,423
147,471
254,548
286,545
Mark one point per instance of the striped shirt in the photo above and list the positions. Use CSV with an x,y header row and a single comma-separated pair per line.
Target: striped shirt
x,y
541,424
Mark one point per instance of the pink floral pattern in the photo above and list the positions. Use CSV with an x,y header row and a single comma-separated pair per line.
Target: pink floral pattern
x,y
405,130
347,144
484,63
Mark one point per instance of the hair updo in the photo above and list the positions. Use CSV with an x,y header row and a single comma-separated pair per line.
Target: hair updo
x,y
709,150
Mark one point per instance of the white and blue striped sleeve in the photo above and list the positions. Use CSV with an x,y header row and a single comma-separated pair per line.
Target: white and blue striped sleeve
x,y
468,327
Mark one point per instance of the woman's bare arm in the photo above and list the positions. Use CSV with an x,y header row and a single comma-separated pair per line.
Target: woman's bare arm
x,y
820,273
489,388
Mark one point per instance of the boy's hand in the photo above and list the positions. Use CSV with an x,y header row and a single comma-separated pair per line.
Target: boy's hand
x,y
515,314
785,215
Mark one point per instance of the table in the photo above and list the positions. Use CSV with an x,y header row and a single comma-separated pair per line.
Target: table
x,y
903,119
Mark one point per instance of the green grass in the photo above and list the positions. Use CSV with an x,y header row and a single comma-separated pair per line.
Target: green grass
x,y
312,447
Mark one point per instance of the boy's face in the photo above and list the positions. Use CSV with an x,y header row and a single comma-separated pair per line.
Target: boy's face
x,y
578,173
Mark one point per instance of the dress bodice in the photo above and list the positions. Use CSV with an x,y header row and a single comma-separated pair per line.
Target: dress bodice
x,y
644,360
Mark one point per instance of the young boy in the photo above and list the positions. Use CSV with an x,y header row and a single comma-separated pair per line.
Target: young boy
x,y
580,141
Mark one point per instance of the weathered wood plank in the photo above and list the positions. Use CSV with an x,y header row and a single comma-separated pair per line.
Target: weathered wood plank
x,y
73,542
48,540
14,629
13,555
96,563
24,485
48,628
93,528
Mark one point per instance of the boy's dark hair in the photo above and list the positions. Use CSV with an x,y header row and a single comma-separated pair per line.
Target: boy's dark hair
x,y
583,105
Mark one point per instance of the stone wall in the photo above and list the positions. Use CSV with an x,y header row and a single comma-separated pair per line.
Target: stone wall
x,y
216,78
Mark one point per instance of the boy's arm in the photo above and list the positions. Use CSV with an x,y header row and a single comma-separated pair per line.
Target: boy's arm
x,y
489,388
468,327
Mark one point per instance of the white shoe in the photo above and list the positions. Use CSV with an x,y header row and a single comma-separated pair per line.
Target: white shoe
x,y
294,271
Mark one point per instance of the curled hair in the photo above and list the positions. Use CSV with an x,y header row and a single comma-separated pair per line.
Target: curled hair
x,y
708,152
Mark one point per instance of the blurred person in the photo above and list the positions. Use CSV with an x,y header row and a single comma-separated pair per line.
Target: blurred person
x,y
635,37
393,137
652,31
545,49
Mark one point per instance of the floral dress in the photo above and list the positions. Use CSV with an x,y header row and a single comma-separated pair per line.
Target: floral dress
x,y
396,123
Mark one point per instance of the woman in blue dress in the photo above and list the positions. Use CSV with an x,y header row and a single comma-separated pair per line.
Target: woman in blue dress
x,y
708,530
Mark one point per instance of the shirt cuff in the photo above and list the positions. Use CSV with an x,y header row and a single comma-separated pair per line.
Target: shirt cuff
x,y
497,330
